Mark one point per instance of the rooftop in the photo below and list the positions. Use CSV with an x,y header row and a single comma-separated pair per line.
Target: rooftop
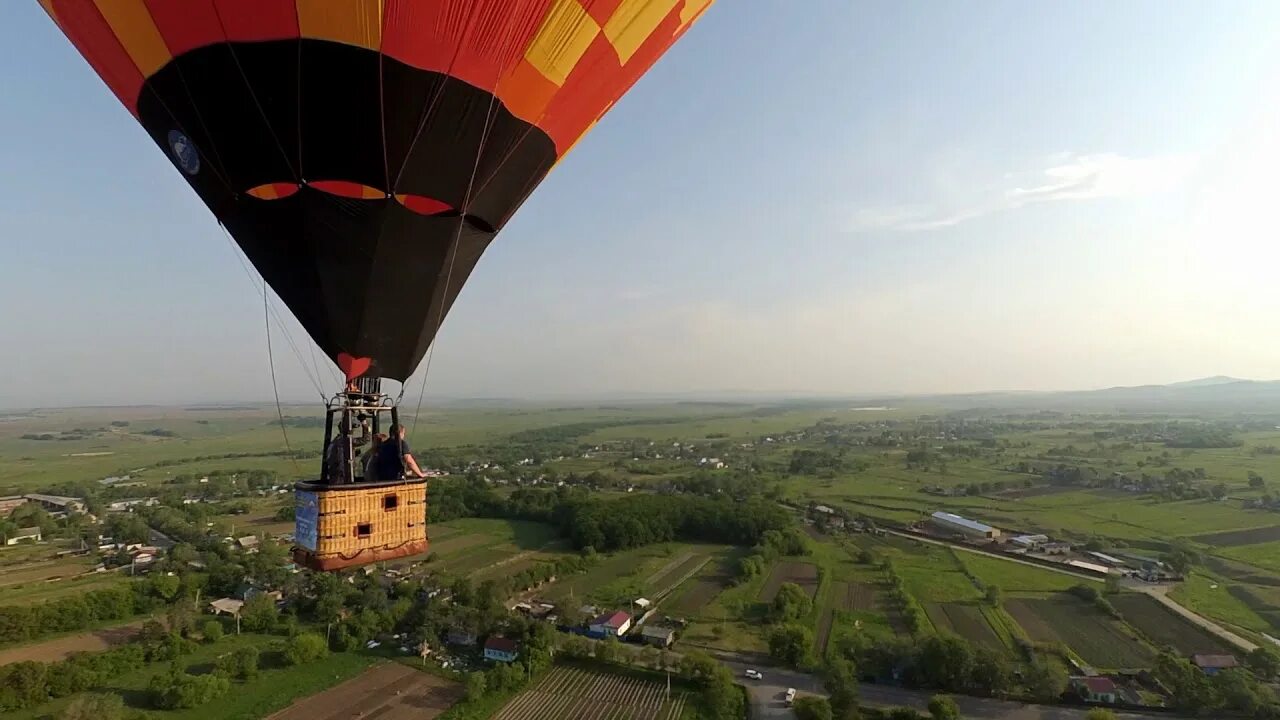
x,y
614,619
1215,661
658,631
501,644
1097,685
962,521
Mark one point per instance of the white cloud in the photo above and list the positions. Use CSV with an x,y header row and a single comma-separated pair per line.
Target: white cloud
x,y
1065,177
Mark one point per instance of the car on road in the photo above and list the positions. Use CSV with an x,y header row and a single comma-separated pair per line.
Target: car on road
x,y
790,696
754,674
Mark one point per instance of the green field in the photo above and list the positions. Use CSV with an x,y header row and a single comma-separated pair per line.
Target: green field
x,y
1095,637
274,688
1163,627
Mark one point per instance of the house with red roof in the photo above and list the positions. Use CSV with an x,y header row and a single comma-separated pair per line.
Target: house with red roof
x,y
501,649
1096,689
614,623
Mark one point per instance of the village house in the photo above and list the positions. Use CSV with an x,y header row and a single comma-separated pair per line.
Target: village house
x,y
27,535
500,649
615,623
1095,689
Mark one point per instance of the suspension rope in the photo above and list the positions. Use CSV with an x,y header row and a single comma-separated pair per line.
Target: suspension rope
x,y
263,288
271,361
453,256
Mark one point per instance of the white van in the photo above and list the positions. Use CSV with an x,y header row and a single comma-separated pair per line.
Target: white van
x,y
791,695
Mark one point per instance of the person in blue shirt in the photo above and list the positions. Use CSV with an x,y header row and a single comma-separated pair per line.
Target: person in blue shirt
x,y
395,458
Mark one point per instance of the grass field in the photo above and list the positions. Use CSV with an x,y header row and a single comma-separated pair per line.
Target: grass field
x,y
1015,577
965,620
1221,601
1095,637
1263,555
1165,628
274,688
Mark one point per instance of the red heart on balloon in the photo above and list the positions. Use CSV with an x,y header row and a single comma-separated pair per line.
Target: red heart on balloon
x,y
352,366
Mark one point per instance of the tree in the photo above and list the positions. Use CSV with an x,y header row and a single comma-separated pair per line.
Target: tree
x,y
903,713
810,707
1255,481
304,648
211,630
990,673
1190,688
245,662
993,595
1100,714
607,649
259,613
790,644
841,681
94,706
1238,690
1046,682
1112,584
946,662
477,685
791,603
1263,662
942,707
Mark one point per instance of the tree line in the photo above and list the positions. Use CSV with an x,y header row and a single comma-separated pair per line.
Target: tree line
x,y
615,524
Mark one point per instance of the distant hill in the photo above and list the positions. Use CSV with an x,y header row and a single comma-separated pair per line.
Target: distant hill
x,y
1220,394
1205,382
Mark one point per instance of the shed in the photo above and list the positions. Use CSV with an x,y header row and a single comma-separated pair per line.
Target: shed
x,y
230,606
657,635
1214,664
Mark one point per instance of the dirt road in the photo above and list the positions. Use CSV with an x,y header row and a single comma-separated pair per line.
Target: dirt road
x,y
61,648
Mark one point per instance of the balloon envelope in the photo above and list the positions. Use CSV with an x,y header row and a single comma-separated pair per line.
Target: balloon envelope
x,y
364,153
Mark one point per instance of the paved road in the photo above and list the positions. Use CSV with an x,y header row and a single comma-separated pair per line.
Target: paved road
x,y
767,703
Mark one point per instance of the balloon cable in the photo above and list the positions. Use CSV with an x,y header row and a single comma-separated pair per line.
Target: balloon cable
x,y
315,379
453,256
271,361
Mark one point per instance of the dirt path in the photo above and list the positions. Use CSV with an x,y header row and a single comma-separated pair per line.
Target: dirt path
x,y
390,691
1161,594
61,648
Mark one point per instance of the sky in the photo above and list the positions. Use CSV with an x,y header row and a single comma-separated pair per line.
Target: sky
x,y
826,197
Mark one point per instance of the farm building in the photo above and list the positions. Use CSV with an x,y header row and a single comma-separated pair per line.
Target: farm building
x,y
31,534
1214,664
1089,567
123,505
657,635
615,623
10,503
57,503
501,649
230,606
1105,559
1095,689
1031,543
1056,547
952,523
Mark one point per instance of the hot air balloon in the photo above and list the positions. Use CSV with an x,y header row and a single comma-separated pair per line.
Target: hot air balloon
x,y
363,154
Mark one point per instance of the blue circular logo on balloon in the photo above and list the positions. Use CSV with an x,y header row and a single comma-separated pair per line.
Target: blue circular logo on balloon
x,y
184,152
